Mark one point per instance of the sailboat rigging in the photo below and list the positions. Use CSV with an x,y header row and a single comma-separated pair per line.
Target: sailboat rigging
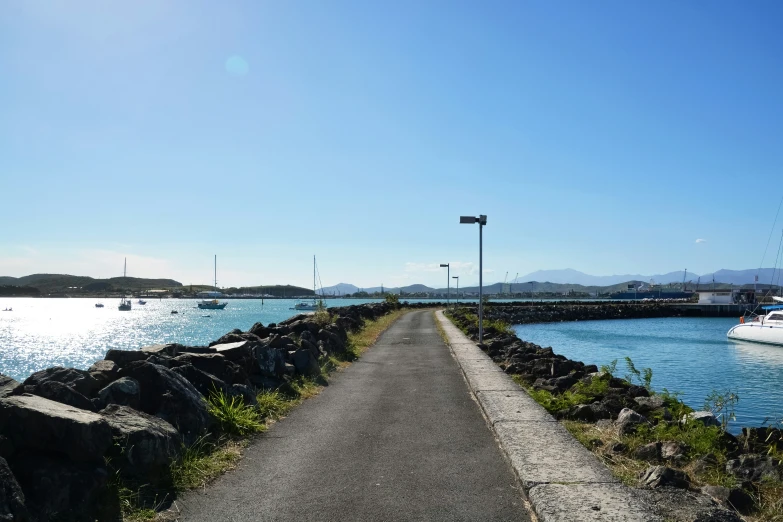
x,y
316,305
125,304
213,304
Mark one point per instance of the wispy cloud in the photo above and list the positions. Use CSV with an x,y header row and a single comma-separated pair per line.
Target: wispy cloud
x,y
700,240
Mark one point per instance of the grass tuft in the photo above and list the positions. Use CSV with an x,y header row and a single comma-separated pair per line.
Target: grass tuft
x,y
273,404
205,460
233,416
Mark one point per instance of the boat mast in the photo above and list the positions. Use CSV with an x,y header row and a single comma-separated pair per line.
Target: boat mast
x,y
314,295
215,272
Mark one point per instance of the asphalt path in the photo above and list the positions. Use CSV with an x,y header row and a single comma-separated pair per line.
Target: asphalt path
x,y
396,436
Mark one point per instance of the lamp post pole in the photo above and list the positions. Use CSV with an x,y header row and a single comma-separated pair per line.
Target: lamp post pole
x,y
481,220
448,281
457,278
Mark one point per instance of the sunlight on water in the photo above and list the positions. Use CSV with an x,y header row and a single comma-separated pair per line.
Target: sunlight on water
x,y
41,333
689,355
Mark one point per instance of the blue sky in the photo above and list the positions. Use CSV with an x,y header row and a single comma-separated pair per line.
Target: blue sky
x,y
603,136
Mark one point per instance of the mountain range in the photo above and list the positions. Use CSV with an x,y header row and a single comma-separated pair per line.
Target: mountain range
x,y
570,276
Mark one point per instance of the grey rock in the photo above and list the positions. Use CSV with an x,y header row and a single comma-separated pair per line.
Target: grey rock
x,y
271,361
147,445
170,350
79,380
36,423
171,397
628,420
305,362
59,392
104,366
123,358
661,476
648,452
7,386
704,417
649,403
124,391
12,508
755,468
234,351
247,394
673,449
58,489
735,498
204,382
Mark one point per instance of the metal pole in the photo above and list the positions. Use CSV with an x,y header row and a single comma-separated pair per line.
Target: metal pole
x,y
481,285
448,284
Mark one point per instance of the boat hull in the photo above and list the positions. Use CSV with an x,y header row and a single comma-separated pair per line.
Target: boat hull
x,y
204,306
757,333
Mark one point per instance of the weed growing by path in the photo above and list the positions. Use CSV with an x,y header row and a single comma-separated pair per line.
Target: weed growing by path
x,y
204,460
233,416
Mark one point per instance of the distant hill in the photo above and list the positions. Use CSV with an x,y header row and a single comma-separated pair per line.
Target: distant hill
x,y
48,283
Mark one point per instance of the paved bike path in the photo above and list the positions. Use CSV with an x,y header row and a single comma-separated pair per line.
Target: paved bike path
x,y
396,436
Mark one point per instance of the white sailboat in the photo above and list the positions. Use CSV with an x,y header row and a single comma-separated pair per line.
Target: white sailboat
x,y
213,304
316,305
125,304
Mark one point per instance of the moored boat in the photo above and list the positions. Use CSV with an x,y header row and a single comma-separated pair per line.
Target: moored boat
x,y
315,305
767,328
125,303
213,304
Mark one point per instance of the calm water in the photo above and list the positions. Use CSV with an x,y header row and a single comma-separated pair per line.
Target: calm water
x,y
40,333
690,355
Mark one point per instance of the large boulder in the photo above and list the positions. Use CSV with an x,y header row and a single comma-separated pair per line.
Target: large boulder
x,y
124,391
123,358
146,444
59,392
12,508
39,424
7,386
215,364
271,361
305,362
171,397
204,382
58,489
80,380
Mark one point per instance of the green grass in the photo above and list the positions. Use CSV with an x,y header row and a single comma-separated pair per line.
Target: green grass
x,y
233,416
205,460
272,404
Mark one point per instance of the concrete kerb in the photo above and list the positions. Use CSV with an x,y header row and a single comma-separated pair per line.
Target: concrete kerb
x,y
564,481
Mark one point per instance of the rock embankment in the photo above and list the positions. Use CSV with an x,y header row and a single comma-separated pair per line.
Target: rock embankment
x,y
552,312
687,464
65,433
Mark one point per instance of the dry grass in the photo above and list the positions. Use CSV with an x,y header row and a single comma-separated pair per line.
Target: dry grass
x,y
359,342
204,461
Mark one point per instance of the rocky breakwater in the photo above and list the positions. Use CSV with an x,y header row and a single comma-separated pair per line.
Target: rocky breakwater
x,y
683,461
548,312
66,434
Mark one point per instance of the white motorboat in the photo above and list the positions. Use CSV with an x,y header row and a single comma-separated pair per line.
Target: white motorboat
x,y
766,328
212,304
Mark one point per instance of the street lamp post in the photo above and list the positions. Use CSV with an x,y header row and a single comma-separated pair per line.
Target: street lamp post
x,y
481,220
448,280
457,278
